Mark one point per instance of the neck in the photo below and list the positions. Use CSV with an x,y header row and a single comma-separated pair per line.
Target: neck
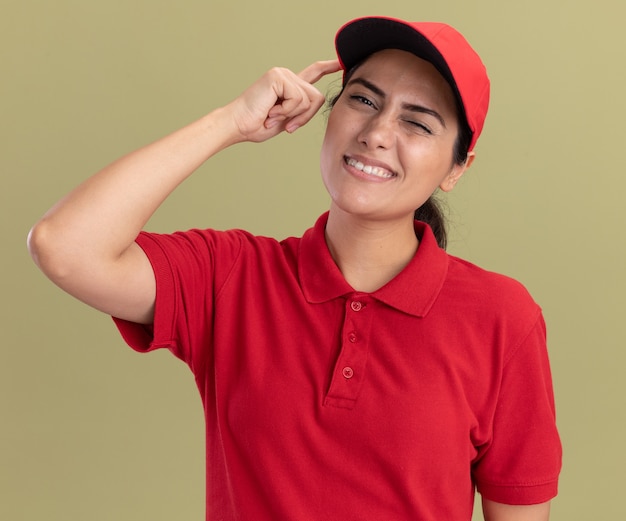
x,y
369,253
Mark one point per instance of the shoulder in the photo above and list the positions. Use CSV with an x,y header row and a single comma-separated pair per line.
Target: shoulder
x,y
464,274
490,296
228,255
208,241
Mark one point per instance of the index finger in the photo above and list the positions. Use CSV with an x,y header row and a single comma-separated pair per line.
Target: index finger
x,y
317,70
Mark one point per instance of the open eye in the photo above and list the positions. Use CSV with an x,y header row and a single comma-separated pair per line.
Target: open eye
x,y
362,99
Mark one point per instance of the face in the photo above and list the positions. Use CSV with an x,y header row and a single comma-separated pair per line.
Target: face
x,y
390,138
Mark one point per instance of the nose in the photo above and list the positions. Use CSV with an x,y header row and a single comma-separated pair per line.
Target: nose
x,y
377,132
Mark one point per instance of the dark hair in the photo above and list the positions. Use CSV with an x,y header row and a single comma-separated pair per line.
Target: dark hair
x,y
431,212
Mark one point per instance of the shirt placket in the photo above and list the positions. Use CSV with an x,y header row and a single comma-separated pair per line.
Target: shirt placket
x,y
349,371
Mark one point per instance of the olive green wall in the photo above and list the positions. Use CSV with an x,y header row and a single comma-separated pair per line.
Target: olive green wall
x,y
91,430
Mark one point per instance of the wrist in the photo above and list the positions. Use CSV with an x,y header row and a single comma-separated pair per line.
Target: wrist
x,y
221,128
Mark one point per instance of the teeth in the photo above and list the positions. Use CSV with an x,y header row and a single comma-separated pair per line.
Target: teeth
x,y
368,169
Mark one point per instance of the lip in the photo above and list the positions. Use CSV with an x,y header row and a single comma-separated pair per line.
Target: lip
x,y
368,162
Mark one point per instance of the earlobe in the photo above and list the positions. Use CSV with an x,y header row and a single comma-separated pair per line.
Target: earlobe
x,y
457,172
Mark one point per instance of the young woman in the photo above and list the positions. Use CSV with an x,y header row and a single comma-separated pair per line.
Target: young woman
x,y
358,372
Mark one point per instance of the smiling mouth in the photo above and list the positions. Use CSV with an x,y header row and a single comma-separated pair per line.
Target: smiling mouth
x,y
375,171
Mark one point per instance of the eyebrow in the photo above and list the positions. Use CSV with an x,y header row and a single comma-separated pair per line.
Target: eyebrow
x,y
407,106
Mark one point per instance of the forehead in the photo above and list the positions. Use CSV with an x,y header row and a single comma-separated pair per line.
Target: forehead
x,y
396,70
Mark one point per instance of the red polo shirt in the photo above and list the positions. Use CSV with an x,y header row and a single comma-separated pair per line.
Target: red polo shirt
x,y
325,403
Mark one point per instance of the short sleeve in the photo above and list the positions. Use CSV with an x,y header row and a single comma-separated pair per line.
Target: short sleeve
x,y
189,268
522,462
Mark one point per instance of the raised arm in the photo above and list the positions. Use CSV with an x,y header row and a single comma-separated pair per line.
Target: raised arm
x,y
85,243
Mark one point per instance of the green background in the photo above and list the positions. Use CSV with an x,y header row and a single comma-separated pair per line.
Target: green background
x,y
90,429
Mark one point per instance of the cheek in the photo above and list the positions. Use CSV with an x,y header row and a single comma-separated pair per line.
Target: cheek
x,y
331,126
326,153
330,152
326,159
433,159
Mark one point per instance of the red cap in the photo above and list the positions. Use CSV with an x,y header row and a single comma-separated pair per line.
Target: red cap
x,y
437,43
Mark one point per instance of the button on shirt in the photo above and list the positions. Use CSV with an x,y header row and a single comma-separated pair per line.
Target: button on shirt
x,y
326,403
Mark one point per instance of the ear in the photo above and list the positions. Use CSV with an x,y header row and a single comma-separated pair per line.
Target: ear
x,y
455,174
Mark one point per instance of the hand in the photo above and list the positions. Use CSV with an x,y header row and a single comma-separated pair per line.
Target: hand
x,y
280,100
